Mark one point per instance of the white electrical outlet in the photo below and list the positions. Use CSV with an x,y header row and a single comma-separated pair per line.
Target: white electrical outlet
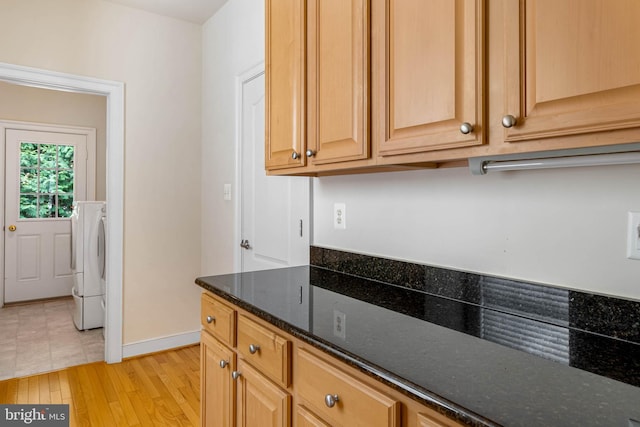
x,y
633,235
339,324
339,216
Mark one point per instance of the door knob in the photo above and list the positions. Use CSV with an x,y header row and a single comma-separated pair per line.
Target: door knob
x,y
12,228
295,156
245,244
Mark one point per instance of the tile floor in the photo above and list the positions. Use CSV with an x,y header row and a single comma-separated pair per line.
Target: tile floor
x,y
40,337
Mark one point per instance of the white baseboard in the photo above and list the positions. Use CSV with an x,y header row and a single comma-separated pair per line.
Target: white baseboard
x,y
160,344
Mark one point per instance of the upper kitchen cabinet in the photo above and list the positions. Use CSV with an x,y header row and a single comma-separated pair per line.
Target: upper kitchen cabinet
x,y
428,74
337,80
317,77
285,83
572,67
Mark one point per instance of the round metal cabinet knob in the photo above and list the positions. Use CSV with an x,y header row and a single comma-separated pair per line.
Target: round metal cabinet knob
x,y
12,228
211,319
509,121
330,400
295,156
466,128
224,363
253,348
235,375
310,153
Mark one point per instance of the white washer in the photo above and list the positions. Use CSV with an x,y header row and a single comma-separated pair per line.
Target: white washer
x,y
86,248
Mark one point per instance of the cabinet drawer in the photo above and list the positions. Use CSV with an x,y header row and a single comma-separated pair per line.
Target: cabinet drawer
x,y
304,418
357,404
432,419
264,349
218,319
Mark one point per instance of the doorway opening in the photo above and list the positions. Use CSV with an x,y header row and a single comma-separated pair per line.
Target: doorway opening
x,y
114,94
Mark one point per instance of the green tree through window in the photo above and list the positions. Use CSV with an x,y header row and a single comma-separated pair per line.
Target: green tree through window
x,y
46,180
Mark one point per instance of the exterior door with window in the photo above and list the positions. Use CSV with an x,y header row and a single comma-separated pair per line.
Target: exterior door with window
x,y
45,173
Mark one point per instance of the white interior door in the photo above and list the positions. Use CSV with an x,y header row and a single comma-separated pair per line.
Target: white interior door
x,y
45,173
274,209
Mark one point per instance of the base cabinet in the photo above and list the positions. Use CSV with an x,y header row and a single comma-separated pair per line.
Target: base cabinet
x,y
272,379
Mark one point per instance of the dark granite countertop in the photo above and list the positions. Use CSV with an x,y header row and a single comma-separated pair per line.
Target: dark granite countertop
x,y
479,362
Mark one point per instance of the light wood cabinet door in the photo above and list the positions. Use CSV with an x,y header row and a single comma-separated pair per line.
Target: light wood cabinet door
x,y
261,403
285,54
572,67
428,74
338,80
217,389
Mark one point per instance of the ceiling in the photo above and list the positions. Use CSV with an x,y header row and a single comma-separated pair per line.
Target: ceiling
x,y
196,11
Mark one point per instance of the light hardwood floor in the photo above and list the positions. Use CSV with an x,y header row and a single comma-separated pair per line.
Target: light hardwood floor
x,y
152,390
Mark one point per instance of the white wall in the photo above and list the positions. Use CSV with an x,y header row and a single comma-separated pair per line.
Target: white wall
x,y
159,60
233,42
559,227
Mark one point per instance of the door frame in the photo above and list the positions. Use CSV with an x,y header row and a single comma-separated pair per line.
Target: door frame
x,y
114,93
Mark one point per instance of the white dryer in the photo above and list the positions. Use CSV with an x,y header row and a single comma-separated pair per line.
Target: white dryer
x,y
86,248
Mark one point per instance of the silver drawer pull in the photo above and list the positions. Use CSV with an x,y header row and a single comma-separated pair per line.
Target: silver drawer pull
x,y
330,400
509,121
235,375
211,319
224,363
466,128
253,348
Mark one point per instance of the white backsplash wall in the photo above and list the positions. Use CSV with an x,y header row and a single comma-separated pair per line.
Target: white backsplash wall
x,y
564,227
